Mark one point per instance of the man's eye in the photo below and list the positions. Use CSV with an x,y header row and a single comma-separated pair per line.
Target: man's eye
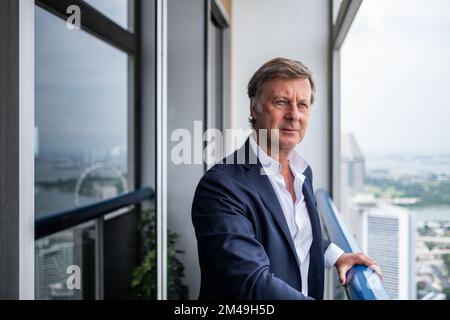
x,y
304,106
281,103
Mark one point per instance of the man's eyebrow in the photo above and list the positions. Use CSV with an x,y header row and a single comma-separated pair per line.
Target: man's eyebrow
x,y
280,97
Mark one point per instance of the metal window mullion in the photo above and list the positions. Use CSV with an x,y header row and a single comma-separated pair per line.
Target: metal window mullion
x,y
93,22
222,80
215,16
99,259
132,15
26,150
161,133
131,107
131,122
135,101
336,128
207,113
346,16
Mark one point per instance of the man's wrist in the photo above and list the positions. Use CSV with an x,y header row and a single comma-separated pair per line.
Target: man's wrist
x,y
332,255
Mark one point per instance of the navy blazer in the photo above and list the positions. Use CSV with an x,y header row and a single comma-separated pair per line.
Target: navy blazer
x,y
244,245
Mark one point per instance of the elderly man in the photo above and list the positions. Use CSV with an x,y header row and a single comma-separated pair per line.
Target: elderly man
x,y
256,222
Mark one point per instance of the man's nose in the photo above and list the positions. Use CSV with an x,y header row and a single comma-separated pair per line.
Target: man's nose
x,y
292,112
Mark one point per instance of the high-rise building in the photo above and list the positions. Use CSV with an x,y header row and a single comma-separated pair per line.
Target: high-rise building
x,y
352,164
352,179
52,259
387,237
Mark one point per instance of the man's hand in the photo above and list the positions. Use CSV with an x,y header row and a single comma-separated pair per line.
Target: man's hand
x,y
347,260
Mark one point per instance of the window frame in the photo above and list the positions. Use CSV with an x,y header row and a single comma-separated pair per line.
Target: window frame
x,y
103,28
217,16
347,12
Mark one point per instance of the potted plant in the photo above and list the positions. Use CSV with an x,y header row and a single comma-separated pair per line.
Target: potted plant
x,y
143,277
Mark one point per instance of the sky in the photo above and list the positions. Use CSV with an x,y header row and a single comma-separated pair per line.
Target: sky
x,y
81,91
113,9
395,67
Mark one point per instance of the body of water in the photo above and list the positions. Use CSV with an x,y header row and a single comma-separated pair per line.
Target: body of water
x,y
410,165
441,213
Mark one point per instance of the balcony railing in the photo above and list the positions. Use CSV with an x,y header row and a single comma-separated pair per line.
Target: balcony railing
x,y
78,218
55,223
364,283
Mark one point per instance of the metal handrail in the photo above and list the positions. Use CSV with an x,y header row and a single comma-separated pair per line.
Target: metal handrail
x,y
364,283
61,221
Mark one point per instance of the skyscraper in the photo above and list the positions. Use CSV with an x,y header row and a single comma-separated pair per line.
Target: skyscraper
x,y
352,180
387,237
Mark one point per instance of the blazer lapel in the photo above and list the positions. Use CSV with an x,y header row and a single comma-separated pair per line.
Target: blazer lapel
x,y
311,206
268,196
315,273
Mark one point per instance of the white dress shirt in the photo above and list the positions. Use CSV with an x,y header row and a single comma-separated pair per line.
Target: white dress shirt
x,y
296,214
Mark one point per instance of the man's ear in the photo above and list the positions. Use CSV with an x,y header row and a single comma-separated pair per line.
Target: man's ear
x,y
253,111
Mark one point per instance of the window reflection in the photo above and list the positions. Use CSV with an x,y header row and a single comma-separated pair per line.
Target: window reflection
x,y
57,259
81,145
81,117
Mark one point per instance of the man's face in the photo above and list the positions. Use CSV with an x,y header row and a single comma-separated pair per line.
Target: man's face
x,y
285,105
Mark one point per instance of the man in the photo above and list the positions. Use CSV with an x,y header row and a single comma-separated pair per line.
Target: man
x,y
256,222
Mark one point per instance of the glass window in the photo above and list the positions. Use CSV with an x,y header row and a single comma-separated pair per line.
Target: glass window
x,y
66,258
81,117
81,147
395,152
117,10
215,120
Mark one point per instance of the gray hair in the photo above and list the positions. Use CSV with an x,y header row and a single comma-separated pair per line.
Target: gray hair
x,y
277,68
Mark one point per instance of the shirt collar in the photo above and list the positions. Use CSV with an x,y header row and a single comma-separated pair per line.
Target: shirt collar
x,y
297,163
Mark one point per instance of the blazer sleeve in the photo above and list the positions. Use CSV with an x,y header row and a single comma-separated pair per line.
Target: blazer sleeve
x,y
326,244
230,256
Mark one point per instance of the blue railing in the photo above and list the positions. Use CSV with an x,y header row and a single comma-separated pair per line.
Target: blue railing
x,y
94,213
364,283
61,221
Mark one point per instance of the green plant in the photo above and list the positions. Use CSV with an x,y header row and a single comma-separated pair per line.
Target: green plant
x,y
143,278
